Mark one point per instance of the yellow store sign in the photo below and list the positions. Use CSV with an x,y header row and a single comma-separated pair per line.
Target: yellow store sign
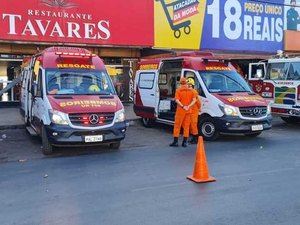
x,y
179,24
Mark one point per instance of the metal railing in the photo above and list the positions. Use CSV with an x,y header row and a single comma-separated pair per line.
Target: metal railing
x,y
9,91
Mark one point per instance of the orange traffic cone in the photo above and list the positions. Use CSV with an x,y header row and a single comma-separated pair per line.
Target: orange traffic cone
x,y
201,174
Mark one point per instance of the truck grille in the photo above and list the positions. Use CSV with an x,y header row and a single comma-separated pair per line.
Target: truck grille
x,y
91,119
253,112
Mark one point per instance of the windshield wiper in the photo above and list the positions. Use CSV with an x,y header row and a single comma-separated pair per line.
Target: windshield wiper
x,y
241,91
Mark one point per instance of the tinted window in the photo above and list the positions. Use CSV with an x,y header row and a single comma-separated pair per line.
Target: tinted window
x,y
146,80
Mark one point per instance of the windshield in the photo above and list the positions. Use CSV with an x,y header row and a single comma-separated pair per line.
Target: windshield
x,y
224,81
78,82
283,71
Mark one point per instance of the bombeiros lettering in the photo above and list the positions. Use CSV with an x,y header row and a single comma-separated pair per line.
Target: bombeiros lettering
x,y
148,67
87,103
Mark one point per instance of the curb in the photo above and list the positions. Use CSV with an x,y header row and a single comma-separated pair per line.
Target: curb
x,y
16,126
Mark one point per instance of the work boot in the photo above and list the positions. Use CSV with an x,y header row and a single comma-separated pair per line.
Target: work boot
x,y
194,139
184,142
174,143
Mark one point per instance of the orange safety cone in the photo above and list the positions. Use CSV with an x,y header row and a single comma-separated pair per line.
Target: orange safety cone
x,y
201,174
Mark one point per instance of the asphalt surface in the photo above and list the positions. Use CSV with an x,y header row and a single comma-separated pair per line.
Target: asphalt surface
x,y
145,182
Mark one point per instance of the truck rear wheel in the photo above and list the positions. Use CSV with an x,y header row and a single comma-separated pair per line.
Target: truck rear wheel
x,y
147,122
207,129
47,147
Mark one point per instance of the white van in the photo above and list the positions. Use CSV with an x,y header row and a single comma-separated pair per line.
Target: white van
x,y
68,98
228,103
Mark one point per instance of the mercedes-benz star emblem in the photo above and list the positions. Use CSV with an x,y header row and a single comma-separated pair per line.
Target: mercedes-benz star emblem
x,y
257,111
94,119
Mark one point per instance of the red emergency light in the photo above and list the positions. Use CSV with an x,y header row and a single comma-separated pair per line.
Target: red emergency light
x,y
75,54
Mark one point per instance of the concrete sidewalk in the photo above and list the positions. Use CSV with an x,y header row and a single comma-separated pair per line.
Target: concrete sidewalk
x,y
10,117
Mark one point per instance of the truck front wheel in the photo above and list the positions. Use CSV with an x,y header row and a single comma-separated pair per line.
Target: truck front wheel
x,y
207,129
47,147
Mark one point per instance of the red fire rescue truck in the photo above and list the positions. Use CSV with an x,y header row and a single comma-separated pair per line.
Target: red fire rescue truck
x,y
278,81
228,103
68,98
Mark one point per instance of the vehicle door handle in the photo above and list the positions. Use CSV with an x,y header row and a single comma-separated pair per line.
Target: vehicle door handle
x,y
152,94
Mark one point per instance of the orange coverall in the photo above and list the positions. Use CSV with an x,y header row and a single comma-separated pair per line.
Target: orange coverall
x,y
183,117
195,113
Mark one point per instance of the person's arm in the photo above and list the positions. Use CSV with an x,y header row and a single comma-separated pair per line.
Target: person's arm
x,y
191,104
179,103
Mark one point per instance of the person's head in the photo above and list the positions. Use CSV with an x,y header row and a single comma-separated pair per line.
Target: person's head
x,y
183,81
191,82
293,3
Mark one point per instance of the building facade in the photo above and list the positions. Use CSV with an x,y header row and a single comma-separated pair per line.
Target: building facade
x,y
120,31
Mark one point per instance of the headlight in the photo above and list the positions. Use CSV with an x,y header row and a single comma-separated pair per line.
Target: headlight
x,y
229,110
58,117
120,116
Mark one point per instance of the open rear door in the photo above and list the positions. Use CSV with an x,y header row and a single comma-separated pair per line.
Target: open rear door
x,y
146,94
256,75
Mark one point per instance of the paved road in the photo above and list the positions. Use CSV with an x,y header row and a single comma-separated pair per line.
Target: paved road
x,y
144,183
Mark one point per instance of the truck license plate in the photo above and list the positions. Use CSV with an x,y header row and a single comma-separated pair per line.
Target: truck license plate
x,y
93,138
257,127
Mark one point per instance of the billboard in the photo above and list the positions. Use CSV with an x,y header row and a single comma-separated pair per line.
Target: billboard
x,y
98,22
238,25
178,24
292,26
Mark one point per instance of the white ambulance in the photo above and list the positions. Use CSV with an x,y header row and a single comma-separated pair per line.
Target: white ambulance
x,y
228,103
68,98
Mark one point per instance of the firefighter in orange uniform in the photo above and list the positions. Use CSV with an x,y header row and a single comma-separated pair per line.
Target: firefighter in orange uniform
x,y
195,113
185,98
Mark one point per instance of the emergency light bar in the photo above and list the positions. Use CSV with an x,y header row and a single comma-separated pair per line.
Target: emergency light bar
x,y
75,54
225,61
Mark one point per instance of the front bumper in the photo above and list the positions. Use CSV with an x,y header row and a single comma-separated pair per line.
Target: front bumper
x,y
230,124
65,135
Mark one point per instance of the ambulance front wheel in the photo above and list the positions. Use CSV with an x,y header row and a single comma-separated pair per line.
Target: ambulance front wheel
x,y
207,129
147,122
47,147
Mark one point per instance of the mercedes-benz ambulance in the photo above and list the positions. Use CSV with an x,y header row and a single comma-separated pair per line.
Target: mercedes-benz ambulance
x,y
228,103
69,99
